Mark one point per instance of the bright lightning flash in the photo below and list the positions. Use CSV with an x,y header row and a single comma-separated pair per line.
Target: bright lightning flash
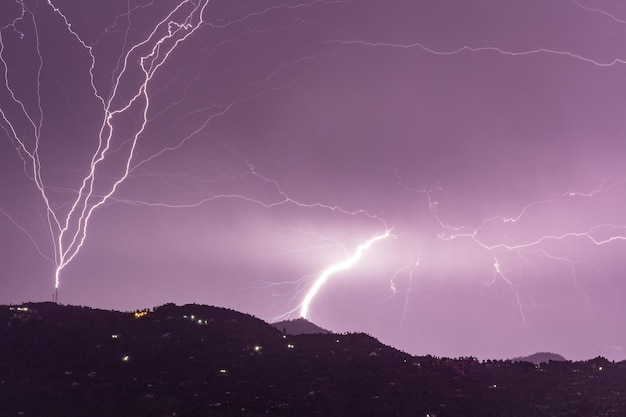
x,y
341,266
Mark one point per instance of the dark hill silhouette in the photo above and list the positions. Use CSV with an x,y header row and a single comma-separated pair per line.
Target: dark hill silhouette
x,y
540,357
195,360
298,326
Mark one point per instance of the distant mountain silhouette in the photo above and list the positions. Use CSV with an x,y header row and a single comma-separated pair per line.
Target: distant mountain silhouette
x,y
540,357
196,360
299,326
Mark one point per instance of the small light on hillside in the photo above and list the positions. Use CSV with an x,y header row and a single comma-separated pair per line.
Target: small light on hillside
x,y
140,314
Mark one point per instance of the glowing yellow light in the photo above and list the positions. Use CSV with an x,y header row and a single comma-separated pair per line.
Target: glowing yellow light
x,y
139,314
125,358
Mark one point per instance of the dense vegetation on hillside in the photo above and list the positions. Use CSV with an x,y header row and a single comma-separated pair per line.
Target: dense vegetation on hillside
x,y
198,360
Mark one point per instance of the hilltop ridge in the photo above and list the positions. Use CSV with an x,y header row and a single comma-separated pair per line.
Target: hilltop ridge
x,y
299,326
540,357
197,360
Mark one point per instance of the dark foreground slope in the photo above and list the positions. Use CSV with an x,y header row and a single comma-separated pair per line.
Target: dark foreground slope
x,y
205,361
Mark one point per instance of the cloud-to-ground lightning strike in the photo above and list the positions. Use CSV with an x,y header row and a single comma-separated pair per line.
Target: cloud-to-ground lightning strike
x,y
341,266
135,68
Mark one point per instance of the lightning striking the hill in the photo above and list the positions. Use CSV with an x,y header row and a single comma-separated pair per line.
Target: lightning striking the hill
x,y
333,269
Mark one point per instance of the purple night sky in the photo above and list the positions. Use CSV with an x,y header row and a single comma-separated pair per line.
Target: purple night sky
x,y
267,140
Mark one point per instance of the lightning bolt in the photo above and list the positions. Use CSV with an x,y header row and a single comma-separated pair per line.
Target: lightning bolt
x,y
483,236
333,269
599,11
136,68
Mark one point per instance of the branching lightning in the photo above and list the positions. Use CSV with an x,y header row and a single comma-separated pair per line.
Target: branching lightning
x,y
598,235
69,231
